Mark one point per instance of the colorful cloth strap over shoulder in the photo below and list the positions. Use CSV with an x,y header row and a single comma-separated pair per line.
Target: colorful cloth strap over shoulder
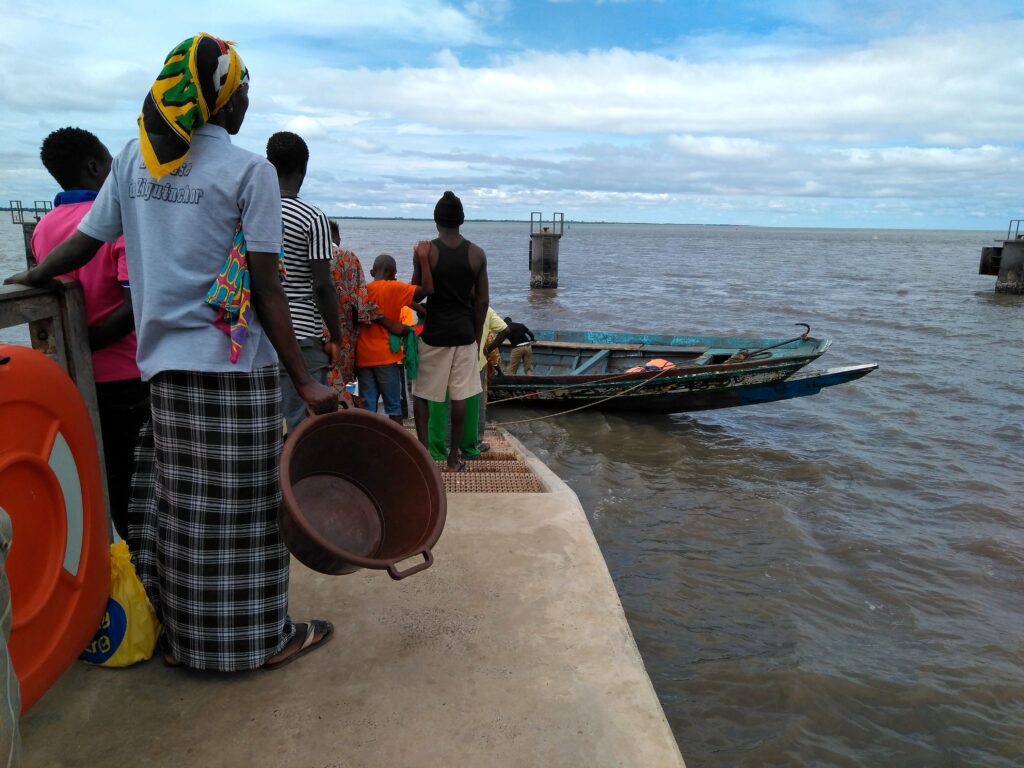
x,y
407,342
231,294
199,77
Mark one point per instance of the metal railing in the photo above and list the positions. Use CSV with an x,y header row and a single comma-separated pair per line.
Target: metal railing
x,y
19,213
554,227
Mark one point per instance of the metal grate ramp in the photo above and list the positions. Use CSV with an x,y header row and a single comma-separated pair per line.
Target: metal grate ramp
x,y
499,470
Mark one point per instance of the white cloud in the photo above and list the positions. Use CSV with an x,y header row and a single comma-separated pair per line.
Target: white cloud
x,y
929,122
720,147
487,10
908,87
306,127
447,60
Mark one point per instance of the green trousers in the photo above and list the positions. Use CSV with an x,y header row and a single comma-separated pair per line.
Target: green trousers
x,y
439,429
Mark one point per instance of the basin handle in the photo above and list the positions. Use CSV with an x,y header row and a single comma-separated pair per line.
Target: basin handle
x,y
428,560
343,405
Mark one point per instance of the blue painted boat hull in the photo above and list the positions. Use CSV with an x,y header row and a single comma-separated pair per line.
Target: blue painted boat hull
x,y
803,384
605,370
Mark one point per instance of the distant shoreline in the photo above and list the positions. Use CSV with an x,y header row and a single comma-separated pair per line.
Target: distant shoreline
x,y
27,209
8,209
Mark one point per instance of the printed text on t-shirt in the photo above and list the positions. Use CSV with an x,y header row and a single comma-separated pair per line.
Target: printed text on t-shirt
x,y
147,189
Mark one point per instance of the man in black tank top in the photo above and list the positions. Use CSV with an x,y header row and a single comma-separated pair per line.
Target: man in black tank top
x,y
448,345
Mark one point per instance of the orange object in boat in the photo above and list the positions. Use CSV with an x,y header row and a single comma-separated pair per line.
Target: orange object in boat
x,y
652,365
59,561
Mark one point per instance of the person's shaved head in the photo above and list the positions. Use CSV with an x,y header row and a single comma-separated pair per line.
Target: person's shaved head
x,y
384,267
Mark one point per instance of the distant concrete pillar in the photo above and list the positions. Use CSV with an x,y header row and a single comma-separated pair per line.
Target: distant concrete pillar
x,y
1011,268
20,215
544,249
1006,261
27,228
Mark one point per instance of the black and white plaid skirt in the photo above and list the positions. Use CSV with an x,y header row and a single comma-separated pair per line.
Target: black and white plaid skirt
x,y
203,530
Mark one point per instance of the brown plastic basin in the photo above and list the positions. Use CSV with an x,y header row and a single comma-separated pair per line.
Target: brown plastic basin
x,y
359,492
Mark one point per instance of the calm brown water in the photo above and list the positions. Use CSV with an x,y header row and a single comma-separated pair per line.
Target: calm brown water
x,y
832,581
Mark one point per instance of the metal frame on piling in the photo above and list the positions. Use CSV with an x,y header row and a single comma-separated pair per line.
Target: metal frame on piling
x,y
18,210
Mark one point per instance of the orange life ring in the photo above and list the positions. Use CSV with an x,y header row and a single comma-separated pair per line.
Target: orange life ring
x,y
59,560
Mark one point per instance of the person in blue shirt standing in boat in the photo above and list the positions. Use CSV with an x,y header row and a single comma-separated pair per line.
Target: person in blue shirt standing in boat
x,y
190,204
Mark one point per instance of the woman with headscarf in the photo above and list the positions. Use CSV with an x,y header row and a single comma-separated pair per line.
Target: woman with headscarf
x,y
205,491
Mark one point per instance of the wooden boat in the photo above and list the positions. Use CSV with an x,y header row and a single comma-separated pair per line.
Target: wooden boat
x,y
609,371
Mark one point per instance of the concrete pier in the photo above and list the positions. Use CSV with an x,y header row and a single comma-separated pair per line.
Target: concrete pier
x,y
512,650
1006,261
544,249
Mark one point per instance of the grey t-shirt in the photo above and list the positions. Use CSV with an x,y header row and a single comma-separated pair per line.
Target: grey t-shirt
x,y
178,232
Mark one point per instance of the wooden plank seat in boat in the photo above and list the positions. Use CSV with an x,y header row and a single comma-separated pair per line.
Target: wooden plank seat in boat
x,y
589,363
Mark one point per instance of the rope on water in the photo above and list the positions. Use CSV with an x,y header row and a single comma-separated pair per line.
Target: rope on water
x,y
586,405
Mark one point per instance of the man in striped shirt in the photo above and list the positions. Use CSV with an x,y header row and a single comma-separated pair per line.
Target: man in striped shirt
x,y
312,301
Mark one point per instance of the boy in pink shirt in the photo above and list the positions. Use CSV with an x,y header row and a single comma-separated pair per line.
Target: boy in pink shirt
x,y
80,163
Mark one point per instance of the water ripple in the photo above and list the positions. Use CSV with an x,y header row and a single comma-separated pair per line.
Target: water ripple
x,y
831,581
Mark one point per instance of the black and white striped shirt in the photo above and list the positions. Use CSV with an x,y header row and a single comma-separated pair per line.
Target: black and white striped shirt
x,y
307,236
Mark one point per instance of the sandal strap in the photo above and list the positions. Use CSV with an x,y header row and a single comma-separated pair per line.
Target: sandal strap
x,y
308,639
311,628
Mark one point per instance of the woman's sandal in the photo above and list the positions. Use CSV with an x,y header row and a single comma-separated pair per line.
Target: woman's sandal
x,y
310,641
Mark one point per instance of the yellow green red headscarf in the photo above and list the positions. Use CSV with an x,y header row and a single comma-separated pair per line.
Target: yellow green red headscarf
x,y
199,77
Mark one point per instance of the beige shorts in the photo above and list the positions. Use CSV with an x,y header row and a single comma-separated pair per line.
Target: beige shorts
x,y
452,371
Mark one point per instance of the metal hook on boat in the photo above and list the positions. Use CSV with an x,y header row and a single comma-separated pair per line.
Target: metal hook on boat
x,y
740,356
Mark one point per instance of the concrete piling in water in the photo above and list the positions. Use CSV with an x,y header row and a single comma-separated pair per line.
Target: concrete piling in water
x,y
1006,261
544,249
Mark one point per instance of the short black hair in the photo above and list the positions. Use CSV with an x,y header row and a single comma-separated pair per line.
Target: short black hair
x,y
64,152
287,152
385,261
335,229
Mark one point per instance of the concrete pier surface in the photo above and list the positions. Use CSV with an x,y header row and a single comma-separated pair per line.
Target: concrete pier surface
x,y
512,650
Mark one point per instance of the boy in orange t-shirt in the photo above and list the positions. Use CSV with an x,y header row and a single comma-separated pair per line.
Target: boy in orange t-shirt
x,y
377,367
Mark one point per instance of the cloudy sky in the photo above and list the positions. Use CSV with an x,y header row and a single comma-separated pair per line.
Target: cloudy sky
x,y
819,113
